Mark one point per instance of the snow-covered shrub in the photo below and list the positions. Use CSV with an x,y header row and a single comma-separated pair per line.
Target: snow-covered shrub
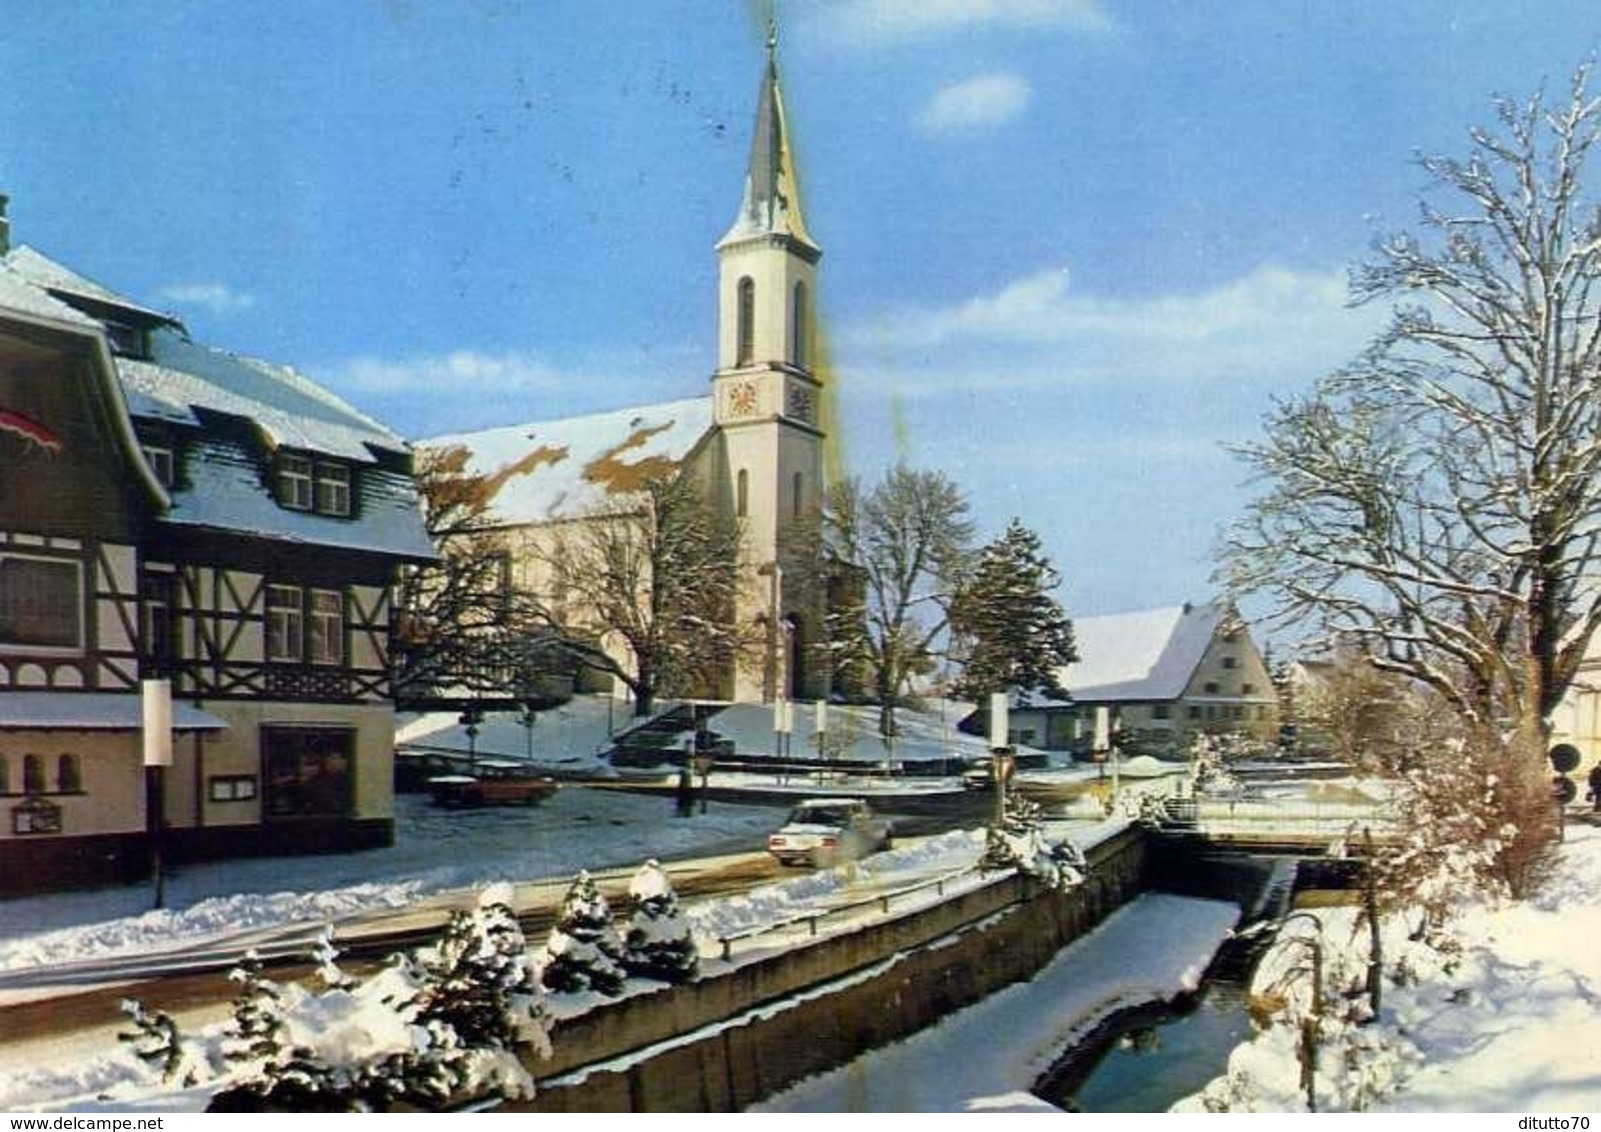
x,y
584,951
659,942
442,1025
157,1042
1019,842
326,956
255,1033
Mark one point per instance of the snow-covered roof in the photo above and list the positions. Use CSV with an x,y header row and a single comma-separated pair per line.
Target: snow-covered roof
x,y
42,271
91,711
565,468
1145,655
18,293
289,409
225,491
224,483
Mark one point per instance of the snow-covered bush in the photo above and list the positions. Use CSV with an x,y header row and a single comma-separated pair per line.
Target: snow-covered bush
x,y
659,942
157,1042
584,951
1019,842
442,1025
255,1033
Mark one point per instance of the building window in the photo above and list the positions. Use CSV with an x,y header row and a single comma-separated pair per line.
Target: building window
x,y
232,787
308,771
41,603
69,775
1195,711
285,624
1211,689
128,341
1161,711
325,628
1247,689
797,489
159,620
5,775
742,493
294,482
333,489
159,455
32,774
797,328
1231,662
745,323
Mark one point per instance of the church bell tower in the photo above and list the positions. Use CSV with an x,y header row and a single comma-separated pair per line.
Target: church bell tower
x,y
766,398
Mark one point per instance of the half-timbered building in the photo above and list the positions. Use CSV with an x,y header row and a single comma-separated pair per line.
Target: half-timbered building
x,y
171,510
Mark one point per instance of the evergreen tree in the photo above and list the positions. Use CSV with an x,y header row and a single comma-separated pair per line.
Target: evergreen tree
x,y
660,945
584,951
479,979
1012,631
256,1033
157,1042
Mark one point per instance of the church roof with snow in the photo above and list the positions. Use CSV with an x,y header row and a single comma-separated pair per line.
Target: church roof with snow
x,y
563,469
1145,655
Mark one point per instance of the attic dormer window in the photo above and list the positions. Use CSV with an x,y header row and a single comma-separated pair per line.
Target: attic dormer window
x,y
294,482
333,489
159,455
128,341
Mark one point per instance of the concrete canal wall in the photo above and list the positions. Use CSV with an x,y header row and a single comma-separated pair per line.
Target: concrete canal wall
x,y
728,1040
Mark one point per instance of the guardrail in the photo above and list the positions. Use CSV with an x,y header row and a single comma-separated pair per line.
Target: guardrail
x,y
812,916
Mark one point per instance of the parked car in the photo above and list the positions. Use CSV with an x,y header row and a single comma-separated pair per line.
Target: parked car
x,y
826,831
492,784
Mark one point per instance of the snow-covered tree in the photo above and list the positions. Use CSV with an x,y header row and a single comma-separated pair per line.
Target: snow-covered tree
x,y
1012,633
157,1041
659,942
255,1033
584,951
1436,504
326,955
1018,842
901,548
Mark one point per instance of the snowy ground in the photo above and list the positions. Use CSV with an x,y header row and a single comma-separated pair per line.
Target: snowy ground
x,y
1512,1025
434,851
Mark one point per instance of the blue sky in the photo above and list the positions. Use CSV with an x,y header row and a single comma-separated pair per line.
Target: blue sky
x,y
1071,246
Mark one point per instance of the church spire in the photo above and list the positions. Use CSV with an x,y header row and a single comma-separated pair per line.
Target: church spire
x,y
771,204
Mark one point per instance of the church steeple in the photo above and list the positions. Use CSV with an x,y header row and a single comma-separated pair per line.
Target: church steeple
x,y
771,205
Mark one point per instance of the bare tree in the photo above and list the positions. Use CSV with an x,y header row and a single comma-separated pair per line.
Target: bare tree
x,y
906,543
460,625
1436,503
647,591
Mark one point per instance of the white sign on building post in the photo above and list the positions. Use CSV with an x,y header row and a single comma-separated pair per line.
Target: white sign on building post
x,y
999,724
156,721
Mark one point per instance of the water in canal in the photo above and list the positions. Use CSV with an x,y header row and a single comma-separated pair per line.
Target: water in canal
x,y
1151,1058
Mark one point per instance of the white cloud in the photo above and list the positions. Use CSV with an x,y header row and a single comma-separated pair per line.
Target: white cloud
x,y
1035,331
982,101
452,374
217,298
876,22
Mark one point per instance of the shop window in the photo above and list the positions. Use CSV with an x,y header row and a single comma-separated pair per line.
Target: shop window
x,y
309,771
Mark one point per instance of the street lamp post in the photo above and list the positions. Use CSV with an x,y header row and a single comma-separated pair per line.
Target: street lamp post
x,y
156,726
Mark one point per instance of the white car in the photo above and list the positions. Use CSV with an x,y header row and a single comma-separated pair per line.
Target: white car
x,y
825,831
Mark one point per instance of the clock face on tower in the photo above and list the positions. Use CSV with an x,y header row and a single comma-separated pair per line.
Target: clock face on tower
x,y
799,403
742,400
